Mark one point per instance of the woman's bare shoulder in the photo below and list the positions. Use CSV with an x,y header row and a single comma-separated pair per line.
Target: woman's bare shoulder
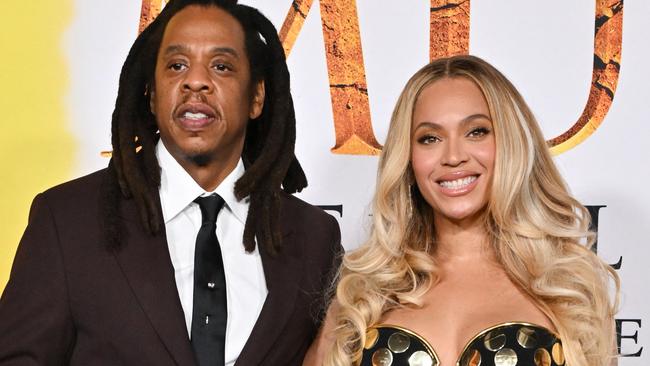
x,y
324,339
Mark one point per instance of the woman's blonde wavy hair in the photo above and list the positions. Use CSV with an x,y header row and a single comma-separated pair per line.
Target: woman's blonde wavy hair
x,y
539,233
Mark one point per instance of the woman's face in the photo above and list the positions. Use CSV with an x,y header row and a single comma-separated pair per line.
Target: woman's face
x,y
453,148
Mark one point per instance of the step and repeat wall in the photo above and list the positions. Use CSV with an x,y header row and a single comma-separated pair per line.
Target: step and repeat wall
x,y
582,65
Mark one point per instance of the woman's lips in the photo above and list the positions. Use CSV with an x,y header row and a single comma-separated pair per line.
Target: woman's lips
x,y
458,184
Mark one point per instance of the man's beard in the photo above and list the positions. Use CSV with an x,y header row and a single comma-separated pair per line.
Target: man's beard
x,y
200,159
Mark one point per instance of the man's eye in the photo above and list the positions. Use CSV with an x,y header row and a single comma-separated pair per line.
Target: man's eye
x,y
177,66
478,132
221,67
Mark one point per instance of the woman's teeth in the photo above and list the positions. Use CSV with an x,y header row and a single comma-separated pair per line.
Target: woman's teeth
x,y
458,183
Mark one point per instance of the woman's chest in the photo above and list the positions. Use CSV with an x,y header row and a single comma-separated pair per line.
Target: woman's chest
x,y
507,344
452,314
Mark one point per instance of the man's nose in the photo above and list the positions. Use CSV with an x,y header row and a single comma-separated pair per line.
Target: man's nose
x,y
197,79
454,153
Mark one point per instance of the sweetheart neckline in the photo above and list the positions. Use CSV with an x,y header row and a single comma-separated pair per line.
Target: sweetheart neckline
x,y
467,344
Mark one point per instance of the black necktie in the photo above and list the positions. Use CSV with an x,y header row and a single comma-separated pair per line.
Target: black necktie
x,y
209,313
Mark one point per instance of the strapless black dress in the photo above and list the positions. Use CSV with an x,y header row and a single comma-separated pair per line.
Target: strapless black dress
x,y
507,344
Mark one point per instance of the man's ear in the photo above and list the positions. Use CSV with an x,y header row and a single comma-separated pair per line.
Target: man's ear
x,y
152,96
257,102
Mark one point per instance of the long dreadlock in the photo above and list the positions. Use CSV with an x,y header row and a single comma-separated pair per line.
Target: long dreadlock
x,y
268,151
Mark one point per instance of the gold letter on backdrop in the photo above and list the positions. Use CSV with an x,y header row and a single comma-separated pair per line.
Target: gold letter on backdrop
x,y
608,40
149,12
449,30
293,23
346,71
347,75
449,35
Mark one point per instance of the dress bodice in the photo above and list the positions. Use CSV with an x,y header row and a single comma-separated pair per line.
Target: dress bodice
x,y
506,344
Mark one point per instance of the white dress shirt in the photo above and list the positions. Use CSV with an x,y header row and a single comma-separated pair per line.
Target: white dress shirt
x,y
245,283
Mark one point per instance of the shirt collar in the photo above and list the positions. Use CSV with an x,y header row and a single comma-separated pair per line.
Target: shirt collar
x,y
178,189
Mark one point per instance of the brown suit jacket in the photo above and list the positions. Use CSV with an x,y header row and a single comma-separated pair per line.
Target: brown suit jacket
x,y
70,301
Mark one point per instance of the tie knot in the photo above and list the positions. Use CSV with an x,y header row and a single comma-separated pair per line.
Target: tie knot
x,y
210,207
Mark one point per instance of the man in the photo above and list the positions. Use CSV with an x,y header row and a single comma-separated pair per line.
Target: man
x,y
185,250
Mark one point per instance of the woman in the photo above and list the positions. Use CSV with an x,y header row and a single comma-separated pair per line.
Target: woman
x,y
477,255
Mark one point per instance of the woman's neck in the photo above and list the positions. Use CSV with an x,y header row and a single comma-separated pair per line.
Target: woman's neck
x,y
465,240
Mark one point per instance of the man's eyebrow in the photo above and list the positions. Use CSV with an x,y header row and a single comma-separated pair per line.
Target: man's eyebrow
x,y
227,50
175,48
179,48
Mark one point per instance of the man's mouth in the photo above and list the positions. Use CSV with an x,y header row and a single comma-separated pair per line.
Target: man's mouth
x,y
195,116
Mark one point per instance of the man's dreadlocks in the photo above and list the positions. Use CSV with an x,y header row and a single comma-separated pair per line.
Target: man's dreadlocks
x,y
268,151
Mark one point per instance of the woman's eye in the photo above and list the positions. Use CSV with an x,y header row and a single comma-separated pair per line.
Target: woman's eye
x,y
428,139
478,132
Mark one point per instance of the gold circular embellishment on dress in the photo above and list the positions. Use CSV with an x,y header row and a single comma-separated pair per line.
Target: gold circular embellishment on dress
x,y
371,338
421,358
471,358
558,354
494,341
399,342
382,357
527,337
505,357
542,358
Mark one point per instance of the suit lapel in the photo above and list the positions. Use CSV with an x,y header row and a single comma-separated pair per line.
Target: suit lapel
x,y
282,273
146,263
